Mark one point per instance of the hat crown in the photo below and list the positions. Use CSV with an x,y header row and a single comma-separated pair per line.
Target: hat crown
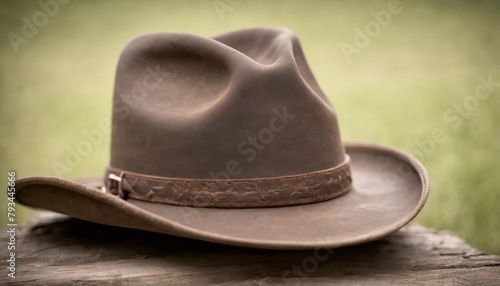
x,y
240,105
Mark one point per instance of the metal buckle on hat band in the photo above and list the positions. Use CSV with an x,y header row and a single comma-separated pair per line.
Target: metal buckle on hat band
x,y
113,185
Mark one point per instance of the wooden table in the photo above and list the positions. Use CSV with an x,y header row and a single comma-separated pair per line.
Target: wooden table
x,y
58,250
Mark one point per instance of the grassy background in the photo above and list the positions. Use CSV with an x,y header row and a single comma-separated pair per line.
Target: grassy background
x,y
394,91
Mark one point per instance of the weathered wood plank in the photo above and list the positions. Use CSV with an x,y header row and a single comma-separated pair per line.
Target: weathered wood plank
x,y
59,250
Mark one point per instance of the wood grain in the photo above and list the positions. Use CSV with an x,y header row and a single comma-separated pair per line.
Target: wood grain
x,y
57,250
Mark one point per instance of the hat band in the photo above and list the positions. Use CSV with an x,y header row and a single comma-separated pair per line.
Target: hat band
x,y
232,193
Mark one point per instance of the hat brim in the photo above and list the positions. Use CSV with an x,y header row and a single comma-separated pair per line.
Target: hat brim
x,y
390,187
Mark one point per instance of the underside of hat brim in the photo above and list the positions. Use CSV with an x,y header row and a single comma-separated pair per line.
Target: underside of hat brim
x,y
390,187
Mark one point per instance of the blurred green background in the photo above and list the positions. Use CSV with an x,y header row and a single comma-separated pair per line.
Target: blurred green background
x,y
398,87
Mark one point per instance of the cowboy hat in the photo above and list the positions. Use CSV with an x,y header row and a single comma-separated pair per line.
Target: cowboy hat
x,y
231,140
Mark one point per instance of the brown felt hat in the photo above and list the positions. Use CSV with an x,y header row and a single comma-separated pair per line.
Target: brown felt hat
x,y
231,140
